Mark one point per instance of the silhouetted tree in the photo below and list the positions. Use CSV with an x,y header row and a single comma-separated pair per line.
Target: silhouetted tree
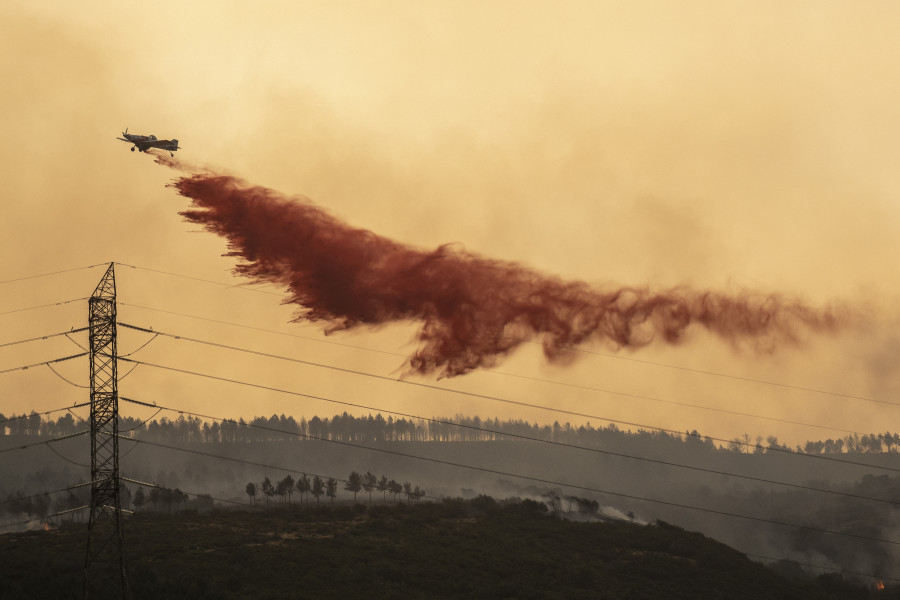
x,y
318,488
587,507
553,501
369,481
407,489
303,486
268,489
382,485
139,498
178,498
250,489
166,498
394,488
331,488
354,483
288,483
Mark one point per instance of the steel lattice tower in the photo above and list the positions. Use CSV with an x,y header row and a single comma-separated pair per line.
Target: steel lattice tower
x,y
104,563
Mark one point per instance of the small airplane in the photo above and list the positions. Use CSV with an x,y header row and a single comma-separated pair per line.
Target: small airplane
x,y
145,142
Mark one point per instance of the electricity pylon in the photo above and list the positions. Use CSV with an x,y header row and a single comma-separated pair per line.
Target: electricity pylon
x,y
104,562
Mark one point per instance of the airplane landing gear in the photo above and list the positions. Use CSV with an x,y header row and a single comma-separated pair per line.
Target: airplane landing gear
x,y
132,148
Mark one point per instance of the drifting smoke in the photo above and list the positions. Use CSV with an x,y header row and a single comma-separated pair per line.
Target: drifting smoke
x,y
473,310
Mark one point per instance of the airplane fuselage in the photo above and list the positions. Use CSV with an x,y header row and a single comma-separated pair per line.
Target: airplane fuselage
x,y
145,142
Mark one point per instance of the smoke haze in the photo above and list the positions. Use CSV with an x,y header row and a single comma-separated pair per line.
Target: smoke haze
x,y
686,147
472,309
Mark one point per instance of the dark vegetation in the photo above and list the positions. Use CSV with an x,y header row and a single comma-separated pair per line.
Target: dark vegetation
x,y
477,548
348,428
193,465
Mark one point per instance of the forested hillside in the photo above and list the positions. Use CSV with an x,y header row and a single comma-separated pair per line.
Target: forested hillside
x,y
451,549
835,506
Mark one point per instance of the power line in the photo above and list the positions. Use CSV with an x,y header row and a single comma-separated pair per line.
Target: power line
x,y
46,362
76,343
66,458
218,283
676,403
130,371
141,347
50,441
132,439
53,273
46,518
48,493
493,398
821,567
46,412
531,439
219,456
737,377
546,482
574,349
43,337
11,499
572,385
69,381
79,417
273,331
18,310
159,409
196,495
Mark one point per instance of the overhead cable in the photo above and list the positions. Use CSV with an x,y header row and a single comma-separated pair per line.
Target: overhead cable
x,y
574,349
47,517
53,273
44,337
45,412
196,495
820,567
739,378
506,401
12,498
18,310
46,362
556,483
238,286
69,381
530,439
66,458
50,441
252,328
436,387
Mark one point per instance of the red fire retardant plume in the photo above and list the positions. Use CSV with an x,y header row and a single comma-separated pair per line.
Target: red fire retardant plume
x,y
472,309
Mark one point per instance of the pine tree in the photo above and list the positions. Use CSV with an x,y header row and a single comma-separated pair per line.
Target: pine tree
x,y
354,483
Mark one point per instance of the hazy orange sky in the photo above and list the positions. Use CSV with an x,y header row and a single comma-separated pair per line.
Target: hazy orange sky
x,y
716,145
